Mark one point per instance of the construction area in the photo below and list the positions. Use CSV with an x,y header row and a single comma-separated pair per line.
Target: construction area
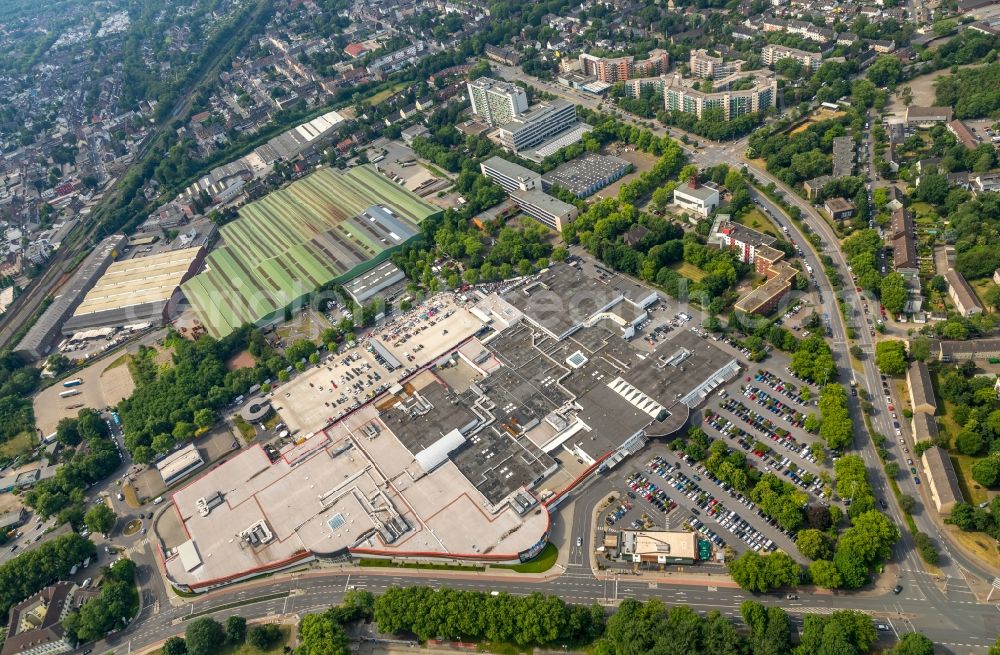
x,y
326,227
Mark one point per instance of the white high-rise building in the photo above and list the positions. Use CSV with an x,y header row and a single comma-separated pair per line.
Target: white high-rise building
x,y
497,102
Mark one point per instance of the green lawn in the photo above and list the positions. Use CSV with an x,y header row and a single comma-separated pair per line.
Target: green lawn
x,y
18,445
690,271
417,565
545,561
384,94
756,220
249,434
972,490
980,287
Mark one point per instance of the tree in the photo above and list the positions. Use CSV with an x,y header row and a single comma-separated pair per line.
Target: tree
x,y
116,602
174,646
824,573
204,418
920,348
987,471
264,636
907,503
847,632
887,71
761,573
204,636
57,363
770,629
913,643
813,544
100,518
236,629
992,296
969,442
67,432
320,635
890,357
894,292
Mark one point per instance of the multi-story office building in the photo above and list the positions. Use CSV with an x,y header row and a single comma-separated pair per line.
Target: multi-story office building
x,y
532,127
618,69
497,102
772,54
711,67
525,189
682,95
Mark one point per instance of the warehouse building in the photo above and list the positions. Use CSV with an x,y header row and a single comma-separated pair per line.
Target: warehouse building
x,y
141,290
588,174
367,285
39,340
941,479
180,464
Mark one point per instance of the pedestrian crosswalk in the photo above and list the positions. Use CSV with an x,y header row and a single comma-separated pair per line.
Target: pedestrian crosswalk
x,y
138,547
810,610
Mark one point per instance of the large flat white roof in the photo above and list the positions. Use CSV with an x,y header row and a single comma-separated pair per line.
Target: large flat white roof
x,y
340,489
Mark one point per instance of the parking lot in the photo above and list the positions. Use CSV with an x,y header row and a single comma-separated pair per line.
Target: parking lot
x,y
341,382
760,416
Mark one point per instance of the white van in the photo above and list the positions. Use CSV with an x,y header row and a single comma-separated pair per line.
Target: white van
x,y
158,500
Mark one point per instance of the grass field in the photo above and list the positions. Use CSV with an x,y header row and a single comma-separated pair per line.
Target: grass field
x,y
755,219
972,490
246,430
982,546
690,271
545,561
22,443
384,563
383,95
981,287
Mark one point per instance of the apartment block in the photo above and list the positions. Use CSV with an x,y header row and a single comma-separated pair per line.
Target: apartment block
x,y
711,67
680,94
497,102
619,69
772,54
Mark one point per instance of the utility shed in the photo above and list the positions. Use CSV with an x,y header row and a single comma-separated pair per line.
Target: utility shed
x,y
437,453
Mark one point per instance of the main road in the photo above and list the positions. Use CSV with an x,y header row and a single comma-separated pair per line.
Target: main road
x,y
956,626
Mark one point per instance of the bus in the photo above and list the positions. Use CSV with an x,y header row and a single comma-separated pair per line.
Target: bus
x,y
71,392
75,382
